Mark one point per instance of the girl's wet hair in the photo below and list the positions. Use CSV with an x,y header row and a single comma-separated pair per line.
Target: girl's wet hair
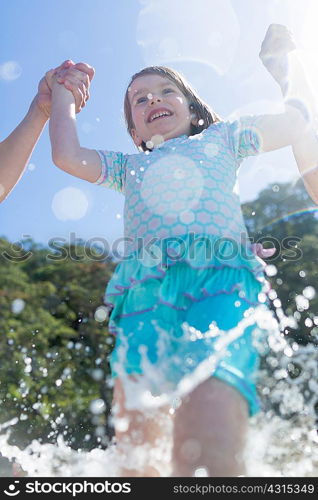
x,y
202,111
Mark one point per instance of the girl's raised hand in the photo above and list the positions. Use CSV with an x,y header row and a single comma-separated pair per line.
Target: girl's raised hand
x,y
75,77
276,46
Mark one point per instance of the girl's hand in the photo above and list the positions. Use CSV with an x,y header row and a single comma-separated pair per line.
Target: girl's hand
x,y
276,46
262,252
77,78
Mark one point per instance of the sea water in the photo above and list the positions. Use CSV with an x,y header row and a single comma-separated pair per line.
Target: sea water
x,y
282,438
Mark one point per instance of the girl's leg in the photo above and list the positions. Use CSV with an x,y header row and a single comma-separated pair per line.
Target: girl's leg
x,y
140,438
210,429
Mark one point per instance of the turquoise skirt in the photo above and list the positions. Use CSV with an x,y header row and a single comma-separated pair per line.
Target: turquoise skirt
x,y
177,317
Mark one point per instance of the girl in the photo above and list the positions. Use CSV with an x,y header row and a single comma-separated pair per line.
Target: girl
x,y
16,149
179,192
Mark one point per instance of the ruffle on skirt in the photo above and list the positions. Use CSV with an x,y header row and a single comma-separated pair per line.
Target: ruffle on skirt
x,y
178,278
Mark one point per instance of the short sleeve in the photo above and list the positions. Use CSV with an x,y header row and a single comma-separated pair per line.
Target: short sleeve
x,y
244,137
113,174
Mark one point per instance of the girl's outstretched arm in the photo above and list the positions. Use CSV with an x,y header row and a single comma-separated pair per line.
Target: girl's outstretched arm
x,y
295,127
16,149
67,153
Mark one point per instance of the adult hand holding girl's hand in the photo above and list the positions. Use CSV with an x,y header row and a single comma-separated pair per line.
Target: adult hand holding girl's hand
x,y
75,77
276,46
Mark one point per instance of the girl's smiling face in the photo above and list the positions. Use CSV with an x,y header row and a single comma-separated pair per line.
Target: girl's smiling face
x,y
158,107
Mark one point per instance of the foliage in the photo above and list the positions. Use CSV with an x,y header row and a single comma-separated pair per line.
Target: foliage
x,y
283,216
54,352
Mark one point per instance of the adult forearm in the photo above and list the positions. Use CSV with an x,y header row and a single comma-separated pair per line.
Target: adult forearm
x,y
297,91
16,149
305,148
62,127
306,156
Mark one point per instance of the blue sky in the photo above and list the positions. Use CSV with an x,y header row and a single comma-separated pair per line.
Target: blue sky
x,y
214,43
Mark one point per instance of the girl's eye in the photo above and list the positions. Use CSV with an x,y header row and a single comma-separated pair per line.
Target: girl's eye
x,y
143,99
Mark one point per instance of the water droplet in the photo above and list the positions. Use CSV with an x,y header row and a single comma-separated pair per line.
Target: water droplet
x,y
272,294
17,306
97,406
262,297
301,302
157,140
10,70
201,472
271,270
70,204
122,424
277,303
101,314
97,374
309,292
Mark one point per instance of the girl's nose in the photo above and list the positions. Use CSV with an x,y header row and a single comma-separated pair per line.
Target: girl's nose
x,y
153,99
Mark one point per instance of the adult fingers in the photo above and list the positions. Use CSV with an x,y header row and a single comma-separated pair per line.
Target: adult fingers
x,y
86,68
66,64
73,80
77,93
48,77
71,74
87,96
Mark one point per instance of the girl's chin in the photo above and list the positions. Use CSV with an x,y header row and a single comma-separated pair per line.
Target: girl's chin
x,y
163,129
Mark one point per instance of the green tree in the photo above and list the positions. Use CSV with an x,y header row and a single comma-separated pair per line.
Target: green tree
x,y
283,216
54,352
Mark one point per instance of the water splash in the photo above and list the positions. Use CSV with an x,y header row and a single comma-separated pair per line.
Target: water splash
x,y
282,439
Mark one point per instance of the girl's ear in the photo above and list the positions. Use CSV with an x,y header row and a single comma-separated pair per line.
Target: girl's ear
x,y
193,115
194,119
137,140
